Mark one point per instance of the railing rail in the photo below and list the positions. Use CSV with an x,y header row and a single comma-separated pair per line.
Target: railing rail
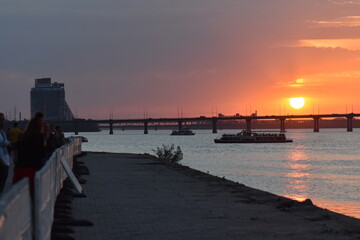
x,y
22,219
15,213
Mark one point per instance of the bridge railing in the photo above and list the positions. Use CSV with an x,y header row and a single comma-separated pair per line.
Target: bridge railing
x,y
16,208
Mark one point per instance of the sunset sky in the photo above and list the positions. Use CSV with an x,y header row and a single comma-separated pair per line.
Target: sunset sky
x,y
201,56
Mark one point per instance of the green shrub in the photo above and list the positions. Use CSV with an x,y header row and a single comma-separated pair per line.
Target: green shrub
x,y
168,153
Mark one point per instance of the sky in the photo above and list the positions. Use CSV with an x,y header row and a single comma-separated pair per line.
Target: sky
x,y
167,58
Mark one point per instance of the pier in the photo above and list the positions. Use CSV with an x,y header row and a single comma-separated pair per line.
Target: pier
x,y
135,196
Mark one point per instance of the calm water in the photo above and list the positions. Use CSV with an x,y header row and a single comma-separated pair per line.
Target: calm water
x,y
324,167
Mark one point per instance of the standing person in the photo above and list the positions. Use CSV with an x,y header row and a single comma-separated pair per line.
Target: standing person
x,y
60,137
54,139
14,135
4,154
50,138
31,151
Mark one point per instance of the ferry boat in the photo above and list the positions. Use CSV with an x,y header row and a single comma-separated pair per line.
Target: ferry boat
x,y
253,137
182,131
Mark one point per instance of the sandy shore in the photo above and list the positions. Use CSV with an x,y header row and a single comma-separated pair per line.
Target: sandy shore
x,y
133,196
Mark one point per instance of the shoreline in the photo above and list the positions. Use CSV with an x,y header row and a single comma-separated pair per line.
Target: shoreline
x,y
320,202
308,168
144,190
278,197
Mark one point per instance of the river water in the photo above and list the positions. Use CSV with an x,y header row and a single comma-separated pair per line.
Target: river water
x,y
324,166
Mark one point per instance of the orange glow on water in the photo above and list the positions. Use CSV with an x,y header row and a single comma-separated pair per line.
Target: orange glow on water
x,y
297,175
297,188
349,209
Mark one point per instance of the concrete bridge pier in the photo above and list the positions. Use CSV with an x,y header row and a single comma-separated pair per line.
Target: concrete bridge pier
x,y
111,127
316,124
248,125
282,124
349,123
180,125
76,128
146,128
214,125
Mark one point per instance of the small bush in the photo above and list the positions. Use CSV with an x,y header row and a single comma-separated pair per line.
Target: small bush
x,y
168,153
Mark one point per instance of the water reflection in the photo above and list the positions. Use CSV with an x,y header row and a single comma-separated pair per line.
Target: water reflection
x,y
299,177
298,174
348,208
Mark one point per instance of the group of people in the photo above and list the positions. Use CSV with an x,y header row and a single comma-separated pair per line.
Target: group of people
x,y
29,149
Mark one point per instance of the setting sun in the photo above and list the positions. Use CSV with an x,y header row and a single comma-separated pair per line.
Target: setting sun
x,y
297,103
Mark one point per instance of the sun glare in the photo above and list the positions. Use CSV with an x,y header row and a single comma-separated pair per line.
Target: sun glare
x,y
297,103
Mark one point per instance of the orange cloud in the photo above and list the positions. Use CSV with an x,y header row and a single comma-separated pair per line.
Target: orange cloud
x,y
347,21
354,2
298,83
349,44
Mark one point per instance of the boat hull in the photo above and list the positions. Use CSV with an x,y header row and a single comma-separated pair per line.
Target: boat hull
x,y
182,134
252,141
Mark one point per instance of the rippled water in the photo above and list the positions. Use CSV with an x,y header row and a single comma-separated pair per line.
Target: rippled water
x,y
324,166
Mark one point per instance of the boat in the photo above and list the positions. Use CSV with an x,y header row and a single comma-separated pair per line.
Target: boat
x,y
182,131
253,137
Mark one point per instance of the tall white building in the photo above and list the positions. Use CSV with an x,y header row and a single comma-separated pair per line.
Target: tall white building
x,y
49,98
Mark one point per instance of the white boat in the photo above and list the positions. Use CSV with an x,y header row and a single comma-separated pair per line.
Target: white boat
x,y
253,137
182,131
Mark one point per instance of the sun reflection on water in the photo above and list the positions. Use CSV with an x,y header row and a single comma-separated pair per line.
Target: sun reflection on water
x,y
297,175
347,208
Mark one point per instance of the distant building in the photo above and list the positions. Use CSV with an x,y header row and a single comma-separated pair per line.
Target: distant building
x,y
49,98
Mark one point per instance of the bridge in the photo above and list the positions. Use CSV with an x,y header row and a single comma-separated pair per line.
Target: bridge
x,y
214,120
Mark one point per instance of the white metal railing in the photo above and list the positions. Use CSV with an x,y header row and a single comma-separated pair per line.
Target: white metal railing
x,y
44,199
47,185
15,212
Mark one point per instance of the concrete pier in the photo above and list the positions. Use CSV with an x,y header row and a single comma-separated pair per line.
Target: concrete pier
x,y
76,128
180,125
134,196
282,124
111,131
316,124
146,128
349,123
214,125
248,125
